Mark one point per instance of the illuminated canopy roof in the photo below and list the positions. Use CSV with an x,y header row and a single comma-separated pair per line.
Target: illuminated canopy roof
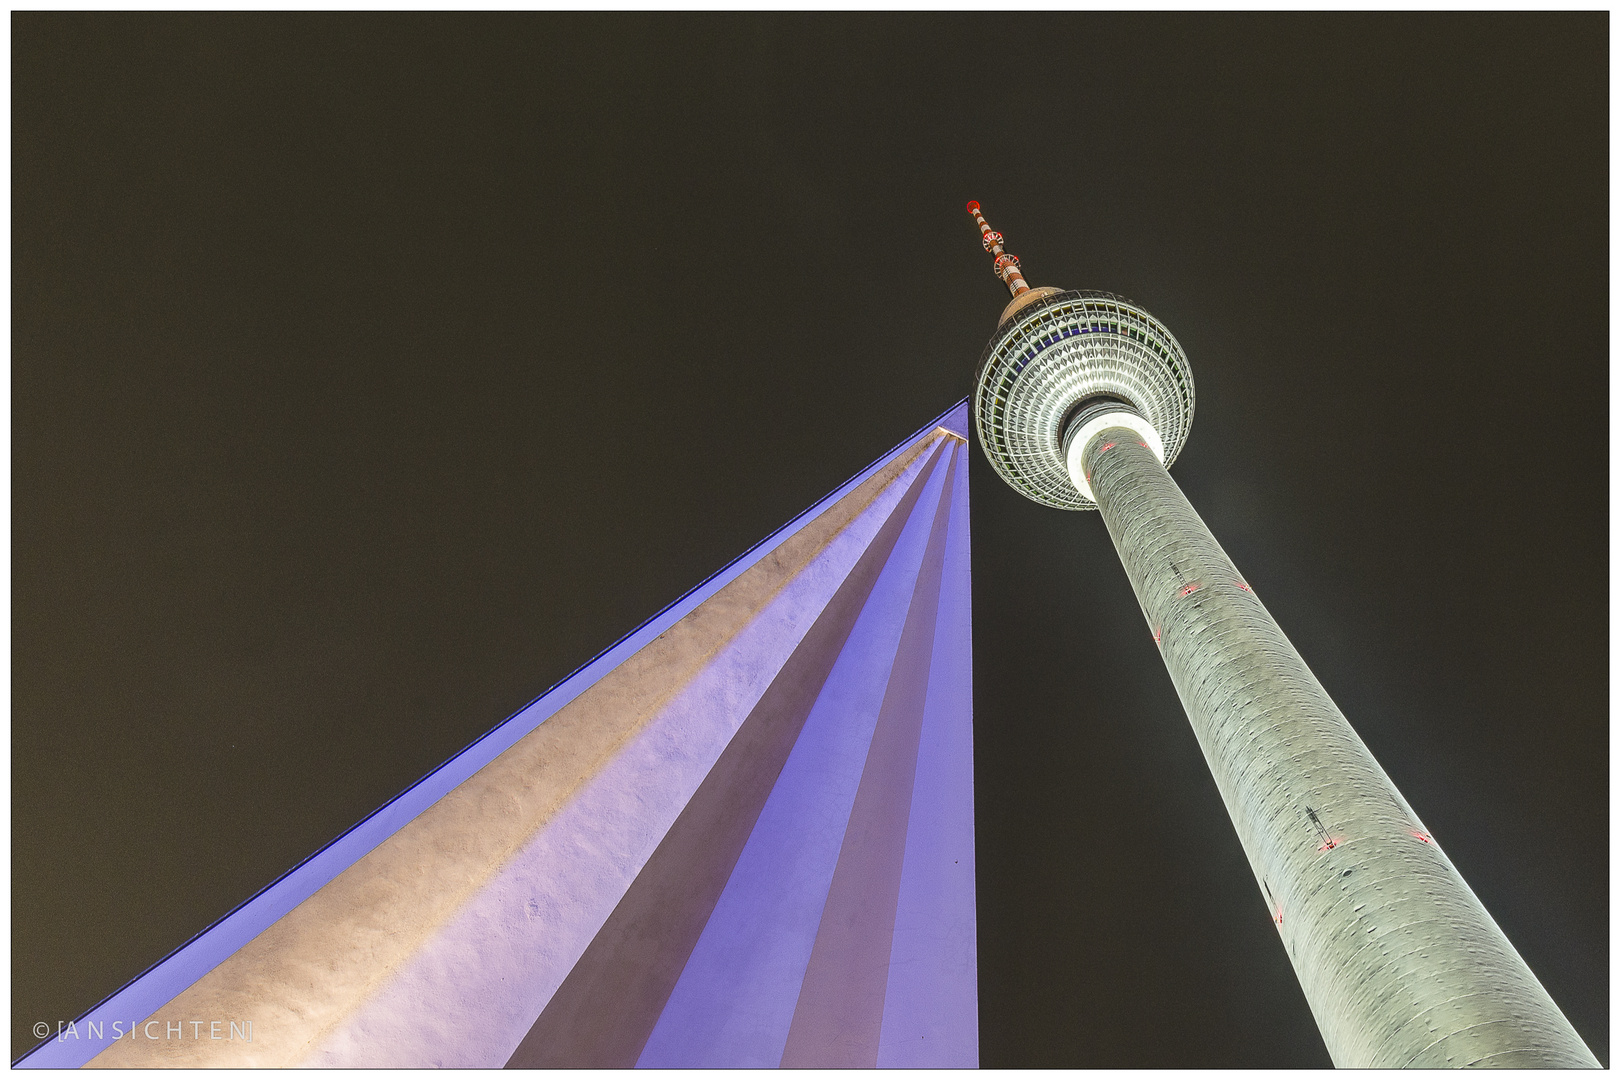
x,y
743,836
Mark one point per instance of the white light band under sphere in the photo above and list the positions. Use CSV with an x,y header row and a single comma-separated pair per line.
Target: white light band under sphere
x,y
1095,426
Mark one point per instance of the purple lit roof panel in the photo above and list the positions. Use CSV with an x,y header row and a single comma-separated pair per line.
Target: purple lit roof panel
x,y
931,1009
840,1008
734,1002
180,969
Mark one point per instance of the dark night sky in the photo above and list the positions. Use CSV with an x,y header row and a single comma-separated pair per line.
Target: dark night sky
x,y
370,373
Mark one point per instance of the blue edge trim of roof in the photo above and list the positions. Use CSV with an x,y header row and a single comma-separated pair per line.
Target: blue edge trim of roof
x,y
163,981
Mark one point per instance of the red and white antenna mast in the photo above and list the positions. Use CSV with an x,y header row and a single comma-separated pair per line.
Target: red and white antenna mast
x,y
1006,265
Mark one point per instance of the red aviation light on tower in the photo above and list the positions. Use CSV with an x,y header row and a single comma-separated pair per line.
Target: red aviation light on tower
x,y
1006,265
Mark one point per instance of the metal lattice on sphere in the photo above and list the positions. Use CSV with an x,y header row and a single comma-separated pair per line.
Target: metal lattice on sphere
x,y
1061,350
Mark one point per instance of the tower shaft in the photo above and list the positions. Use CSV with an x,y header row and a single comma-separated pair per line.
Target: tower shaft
x,y
1400,962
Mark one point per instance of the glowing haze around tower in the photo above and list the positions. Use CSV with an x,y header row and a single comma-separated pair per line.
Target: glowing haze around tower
x,y
1082,401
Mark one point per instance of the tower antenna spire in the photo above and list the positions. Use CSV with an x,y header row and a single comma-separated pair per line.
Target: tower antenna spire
x,y
1006,265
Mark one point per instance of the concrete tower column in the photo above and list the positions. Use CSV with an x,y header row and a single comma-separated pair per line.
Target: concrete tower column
x,y
1400,962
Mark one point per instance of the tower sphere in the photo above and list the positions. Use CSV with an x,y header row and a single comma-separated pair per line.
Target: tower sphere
x,y
1058,355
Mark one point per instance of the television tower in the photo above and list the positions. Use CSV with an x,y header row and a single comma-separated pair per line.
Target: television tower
x,y
1083,400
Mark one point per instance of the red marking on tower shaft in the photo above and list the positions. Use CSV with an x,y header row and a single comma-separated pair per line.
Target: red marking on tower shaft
x,y
1006,265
